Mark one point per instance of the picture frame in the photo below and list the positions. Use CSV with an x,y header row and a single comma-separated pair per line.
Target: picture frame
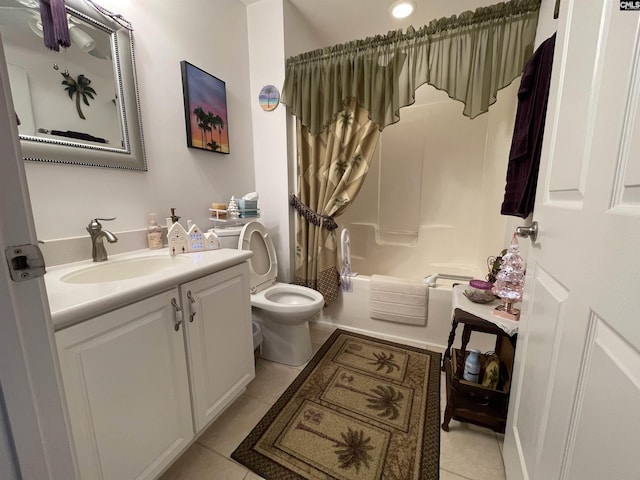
x,y
205,109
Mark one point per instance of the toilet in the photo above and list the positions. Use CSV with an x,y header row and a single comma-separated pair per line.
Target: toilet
x,y
282,310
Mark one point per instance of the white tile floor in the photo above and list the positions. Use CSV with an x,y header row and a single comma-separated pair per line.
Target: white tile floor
x,y
467,452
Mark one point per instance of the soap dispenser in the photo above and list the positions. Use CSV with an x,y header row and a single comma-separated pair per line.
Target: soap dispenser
x,y
174,217
154,233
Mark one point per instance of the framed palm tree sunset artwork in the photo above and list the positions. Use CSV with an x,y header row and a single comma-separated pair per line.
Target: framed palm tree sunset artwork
x,y
205,109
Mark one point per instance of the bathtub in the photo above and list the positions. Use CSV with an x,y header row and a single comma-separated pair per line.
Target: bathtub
x,y
351,312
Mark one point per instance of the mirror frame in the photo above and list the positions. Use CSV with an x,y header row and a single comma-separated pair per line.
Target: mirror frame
x,y
132,155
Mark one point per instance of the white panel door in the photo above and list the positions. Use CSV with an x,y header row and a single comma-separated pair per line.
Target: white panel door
x,y
576,387
219,340
125,375
36,440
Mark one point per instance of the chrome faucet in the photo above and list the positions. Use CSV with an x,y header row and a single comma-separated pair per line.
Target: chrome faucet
x,y
97,234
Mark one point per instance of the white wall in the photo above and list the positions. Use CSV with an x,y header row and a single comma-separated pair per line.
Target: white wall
x,y
265,21
449,173
211,34
299,35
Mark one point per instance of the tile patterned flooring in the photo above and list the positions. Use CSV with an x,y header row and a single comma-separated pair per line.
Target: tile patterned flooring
x,y
467,452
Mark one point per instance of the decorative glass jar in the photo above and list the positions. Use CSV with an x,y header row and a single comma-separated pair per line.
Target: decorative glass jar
x,y
479,291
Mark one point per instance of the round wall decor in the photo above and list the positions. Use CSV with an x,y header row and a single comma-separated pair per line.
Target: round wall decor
x,y
269,98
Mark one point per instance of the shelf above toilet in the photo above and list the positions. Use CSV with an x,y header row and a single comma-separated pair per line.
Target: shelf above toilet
x,y
219,219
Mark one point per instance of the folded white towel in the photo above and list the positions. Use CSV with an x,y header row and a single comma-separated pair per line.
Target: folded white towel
x,y
398,300
387,283
418,300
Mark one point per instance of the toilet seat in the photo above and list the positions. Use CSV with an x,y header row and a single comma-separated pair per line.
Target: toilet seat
x,y
282,310
290,299
266,293
263,266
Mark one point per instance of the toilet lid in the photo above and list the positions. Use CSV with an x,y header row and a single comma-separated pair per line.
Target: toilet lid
x,y
263,266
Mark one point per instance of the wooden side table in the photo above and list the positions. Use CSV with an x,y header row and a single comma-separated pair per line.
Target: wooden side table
x,y
468,401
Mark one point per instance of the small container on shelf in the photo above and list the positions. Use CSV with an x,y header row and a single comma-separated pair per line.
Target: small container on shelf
x,y
249,213
471,371
219,211
218,214
222,220
244,204
479,291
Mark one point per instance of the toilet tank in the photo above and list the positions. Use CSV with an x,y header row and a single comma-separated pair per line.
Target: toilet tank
x,y
228,236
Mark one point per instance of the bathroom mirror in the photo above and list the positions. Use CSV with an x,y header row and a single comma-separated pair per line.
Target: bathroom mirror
x,y
79,105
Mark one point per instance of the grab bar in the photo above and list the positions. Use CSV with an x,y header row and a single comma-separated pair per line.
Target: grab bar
x,y
345,252
431,280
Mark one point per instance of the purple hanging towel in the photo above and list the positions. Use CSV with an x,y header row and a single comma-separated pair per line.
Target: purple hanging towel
x,y
526,145
53,15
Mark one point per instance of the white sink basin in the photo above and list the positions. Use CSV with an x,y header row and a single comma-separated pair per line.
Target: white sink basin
x,y
113,271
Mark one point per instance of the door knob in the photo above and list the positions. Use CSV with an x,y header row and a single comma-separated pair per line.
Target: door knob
x,y
531,232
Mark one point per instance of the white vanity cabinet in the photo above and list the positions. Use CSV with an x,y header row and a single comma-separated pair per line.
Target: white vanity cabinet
x,y
139,390
125,379
217,313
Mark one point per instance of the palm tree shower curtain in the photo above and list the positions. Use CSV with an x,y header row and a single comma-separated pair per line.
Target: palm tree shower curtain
x,y
332,166
470,56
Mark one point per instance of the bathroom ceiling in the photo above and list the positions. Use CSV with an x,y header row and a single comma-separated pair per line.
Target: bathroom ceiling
x,y
339,21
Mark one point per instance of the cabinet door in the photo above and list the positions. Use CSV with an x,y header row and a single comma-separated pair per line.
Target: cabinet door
x,y
219,340
125,378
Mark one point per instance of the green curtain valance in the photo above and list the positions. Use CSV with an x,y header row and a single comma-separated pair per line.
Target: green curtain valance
x,y
470,56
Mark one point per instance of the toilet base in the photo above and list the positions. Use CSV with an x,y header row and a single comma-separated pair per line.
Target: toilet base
x,y
287,344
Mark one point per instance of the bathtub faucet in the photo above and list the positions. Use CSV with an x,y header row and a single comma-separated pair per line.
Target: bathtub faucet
x,y
96,233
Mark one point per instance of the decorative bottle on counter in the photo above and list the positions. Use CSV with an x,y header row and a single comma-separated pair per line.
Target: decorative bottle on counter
x,y
472,366
154,233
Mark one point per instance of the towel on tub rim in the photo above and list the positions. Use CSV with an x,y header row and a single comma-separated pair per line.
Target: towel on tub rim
x,y
398,300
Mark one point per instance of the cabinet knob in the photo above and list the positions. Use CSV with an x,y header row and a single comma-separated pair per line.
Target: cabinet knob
x,y
191,309
178,314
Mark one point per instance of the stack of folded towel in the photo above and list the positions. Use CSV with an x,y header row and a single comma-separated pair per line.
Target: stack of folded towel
x,y
248,208
398,300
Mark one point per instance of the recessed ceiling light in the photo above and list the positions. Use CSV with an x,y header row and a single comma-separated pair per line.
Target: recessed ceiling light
x,y
82,39
402,8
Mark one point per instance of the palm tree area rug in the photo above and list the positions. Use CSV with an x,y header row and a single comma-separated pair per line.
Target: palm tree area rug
x,y
362,408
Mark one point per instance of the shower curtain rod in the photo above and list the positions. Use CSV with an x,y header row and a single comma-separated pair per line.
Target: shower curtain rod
x,y
475,17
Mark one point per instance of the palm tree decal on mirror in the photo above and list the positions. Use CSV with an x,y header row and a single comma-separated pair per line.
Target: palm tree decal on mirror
x,y
80,88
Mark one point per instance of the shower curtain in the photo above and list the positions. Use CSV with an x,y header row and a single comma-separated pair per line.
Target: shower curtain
x,y
332,167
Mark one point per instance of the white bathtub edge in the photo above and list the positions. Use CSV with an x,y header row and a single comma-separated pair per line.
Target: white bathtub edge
x,y
391,338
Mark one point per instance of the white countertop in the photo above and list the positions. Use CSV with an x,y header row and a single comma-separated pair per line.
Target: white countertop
x,y
71,303
483,310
